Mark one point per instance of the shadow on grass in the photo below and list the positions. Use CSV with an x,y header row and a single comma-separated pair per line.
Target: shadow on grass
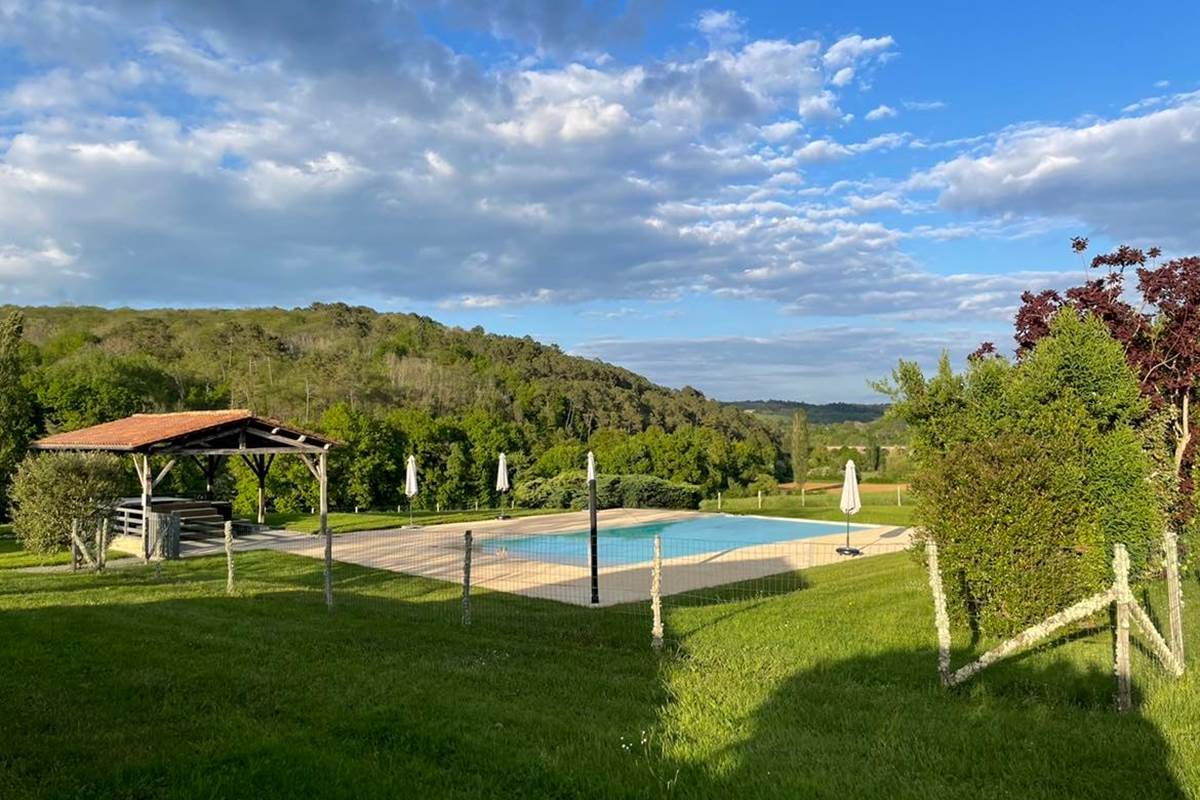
x,y
878,726
266,694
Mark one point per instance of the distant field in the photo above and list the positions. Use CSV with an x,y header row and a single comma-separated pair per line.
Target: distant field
x,y
879,507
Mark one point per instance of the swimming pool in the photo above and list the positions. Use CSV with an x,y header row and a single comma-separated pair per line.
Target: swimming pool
x,y
687,537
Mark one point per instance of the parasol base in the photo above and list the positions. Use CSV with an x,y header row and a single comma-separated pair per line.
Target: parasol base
x,y
849,551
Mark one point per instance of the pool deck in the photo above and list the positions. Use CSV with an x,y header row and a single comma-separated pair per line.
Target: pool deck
x,y
436,551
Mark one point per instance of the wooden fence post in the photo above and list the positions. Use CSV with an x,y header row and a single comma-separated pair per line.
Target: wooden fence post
x,y
940,616
760,499
1124,598
718,501
898,496
102,544
466,605
229,584
656,630
74,545
1174,593
802,495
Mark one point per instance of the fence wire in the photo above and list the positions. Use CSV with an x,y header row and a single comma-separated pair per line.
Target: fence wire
x,y
504,575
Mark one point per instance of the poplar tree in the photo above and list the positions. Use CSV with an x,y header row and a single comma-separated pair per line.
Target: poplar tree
x,y
799,447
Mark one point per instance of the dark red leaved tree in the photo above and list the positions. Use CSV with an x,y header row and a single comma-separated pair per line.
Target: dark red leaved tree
x,y
1161,336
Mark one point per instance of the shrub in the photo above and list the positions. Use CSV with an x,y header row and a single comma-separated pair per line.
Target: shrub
x,y
52,489
1027,475
569,490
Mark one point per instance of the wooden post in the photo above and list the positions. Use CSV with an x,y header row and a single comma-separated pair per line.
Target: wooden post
x,y
760,499
142,462
229,585
323,480
1174,593
940,616
802,496
1124,598
656,630
102,544
74,545
718,501
466,603
897,495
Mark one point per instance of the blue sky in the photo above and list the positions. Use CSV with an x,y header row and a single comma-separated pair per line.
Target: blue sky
x,y
756,199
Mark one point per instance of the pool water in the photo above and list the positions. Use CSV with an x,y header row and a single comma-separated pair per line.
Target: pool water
x,y
688,537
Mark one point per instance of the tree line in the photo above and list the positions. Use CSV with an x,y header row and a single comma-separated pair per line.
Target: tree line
x,y
386,385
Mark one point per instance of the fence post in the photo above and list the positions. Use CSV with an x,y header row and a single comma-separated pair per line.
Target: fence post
x,y
941,618
102,544
802,495
466,614
760,499
229,584
1124,597
898,495
656,630
718,501
74,545
1174,592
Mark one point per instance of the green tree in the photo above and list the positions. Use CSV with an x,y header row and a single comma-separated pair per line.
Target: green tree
x,y
50,490
1028,475
17,413
800,447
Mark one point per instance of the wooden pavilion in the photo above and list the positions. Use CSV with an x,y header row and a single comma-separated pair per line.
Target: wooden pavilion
x,y
208,437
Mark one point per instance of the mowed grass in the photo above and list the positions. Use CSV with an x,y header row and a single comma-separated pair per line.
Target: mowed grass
x,y
348,522
132,685
878,508
12,556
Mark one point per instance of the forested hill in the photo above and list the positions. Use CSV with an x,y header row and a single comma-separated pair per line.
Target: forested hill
x,y
436,386
818,413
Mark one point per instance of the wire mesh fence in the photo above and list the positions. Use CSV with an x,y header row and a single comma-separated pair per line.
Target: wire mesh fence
x,y
480,577
542,576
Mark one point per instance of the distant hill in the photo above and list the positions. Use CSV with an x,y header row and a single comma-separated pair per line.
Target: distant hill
x,y
818,413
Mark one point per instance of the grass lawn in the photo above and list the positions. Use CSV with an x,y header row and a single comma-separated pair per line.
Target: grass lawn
x,y
13,557
878,508
131,685
347,522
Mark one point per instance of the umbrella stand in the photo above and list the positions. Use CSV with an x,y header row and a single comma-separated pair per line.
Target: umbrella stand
x,y
847,550
412,525
502,507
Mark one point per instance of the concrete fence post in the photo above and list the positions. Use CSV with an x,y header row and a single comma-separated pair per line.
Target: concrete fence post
x,y
466,603
656,629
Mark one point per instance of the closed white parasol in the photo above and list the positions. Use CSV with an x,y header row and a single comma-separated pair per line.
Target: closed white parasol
x,y
851,503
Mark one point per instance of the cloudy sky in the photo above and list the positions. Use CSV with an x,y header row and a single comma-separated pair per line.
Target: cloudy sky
x,y
760,200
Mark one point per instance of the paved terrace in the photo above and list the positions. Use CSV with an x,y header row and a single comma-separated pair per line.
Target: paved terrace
x,y
436,552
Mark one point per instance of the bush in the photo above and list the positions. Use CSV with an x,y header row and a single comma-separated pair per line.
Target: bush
x,y
52,489
1027,475
569,490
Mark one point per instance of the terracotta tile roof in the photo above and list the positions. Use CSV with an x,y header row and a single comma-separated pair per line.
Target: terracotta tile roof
x,y
141,430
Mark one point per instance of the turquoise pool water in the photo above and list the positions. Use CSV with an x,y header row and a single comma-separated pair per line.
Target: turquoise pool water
x,y
689,537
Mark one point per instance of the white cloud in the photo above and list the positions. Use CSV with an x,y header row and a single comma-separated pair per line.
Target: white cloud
x,y
852,49
1131,178
843,76
722,28
880,112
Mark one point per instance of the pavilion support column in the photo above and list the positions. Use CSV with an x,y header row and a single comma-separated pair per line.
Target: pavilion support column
x,y
260,465
323,480
210,475
142,464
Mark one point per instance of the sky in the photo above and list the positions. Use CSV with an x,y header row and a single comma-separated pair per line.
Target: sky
x,y
760,200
